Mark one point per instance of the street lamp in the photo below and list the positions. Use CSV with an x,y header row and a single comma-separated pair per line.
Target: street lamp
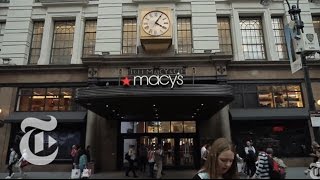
x,y
303,51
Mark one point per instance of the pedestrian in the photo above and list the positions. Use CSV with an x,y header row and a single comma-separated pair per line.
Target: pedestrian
x,y
22,162
13,159
221,162
204,153
74,153
250,159
263,167
159,160
315,147
143,157
151,160
83,160
131,160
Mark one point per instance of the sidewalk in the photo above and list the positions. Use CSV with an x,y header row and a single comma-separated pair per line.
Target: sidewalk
x,y
292,173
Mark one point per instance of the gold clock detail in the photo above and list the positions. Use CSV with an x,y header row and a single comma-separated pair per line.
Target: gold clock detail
x,y
155,23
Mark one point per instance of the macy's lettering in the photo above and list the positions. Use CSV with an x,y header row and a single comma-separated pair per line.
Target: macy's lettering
x,y
155,80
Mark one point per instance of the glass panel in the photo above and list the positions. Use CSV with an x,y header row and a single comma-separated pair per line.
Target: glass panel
x,y
24,103
252,37
186,151
36,42
139,127
279,96
176,127
37,103
189,126
250,100
127,127
152,126
164,127
224,32
89,38
39,91
168,151
238,101
295,99
129,36
184,35
265,99
52,103
293,88
26,91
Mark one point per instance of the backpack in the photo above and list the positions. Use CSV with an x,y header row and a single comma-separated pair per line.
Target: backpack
x,y
275,171
127,157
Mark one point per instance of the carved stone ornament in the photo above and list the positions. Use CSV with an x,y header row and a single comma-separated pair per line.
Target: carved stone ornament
x,y
221,70
92,72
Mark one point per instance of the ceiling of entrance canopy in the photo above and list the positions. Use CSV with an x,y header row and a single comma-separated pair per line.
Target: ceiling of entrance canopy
x,y
189,102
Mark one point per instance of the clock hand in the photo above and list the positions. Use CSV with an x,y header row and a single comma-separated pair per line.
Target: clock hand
x,y
158,19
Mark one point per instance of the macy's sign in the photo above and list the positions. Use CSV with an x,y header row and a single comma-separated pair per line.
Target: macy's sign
x,y
154,80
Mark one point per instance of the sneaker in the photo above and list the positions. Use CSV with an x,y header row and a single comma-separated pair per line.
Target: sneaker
x,y
8,177
12,175
306,171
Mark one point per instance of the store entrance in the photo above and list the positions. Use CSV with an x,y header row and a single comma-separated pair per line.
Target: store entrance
x,y
178,151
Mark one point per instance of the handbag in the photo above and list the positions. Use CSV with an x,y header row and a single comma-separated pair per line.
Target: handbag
x,y
86,173
155,167
75,173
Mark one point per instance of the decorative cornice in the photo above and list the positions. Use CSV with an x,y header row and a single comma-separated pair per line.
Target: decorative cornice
x,y
185,59
63,2
23,68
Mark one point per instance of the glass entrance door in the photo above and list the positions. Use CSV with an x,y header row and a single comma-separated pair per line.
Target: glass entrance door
x,y
186,151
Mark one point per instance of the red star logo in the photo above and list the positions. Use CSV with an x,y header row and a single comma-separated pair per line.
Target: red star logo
x,y
126,81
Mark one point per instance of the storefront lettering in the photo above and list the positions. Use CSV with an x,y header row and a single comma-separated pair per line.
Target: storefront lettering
x,y
156,71
155,80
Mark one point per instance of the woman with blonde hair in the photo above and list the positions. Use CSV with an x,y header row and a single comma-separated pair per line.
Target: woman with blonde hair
x,y
221,162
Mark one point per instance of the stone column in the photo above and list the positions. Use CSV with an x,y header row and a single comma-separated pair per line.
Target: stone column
x,y
78,40
8,97
90,134
224,122
46,41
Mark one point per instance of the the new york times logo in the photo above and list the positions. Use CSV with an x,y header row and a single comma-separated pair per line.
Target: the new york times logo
x,y
314,170
38,140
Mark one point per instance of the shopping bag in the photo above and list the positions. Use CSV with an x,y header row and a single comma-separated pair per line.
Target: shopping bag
x,y
155,167
75,173
86,173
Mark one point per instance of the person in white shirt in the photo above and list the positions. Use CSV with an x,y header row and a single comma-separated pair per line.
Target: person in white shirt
x,y
204,153
132,154
13,158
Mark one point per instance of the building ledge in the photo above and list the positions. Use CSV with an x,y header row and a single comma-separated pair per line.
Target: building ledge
x,y
63,2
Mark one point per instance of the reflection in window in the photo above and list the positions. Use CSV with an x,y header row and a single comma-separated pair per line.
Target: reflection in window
x,y
164,127
62,42
89,38
280,96
176,126
184,35
129,36
152,126
47,99
252,38
36,42
224,30
189,126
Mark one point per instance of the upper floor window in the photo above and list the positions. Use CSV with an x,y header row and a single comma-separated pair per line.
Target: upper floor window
x,y
4,1
62,42
89,38
252,38
129,36
224,30
2,27
184,35
267,96
316,25
47,99
279,34
35,49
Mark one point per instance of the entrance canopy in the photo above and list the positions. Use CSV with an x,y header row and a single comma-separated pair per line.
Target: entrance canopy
x,y
141,103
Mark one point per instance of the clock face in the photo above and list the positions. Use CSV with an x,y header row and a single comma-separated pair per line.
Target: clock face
x,y
155,23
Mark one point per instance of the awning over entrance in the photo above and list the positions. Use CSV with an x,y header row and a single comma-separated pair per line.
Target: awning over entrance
x,y
187,102
62,117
